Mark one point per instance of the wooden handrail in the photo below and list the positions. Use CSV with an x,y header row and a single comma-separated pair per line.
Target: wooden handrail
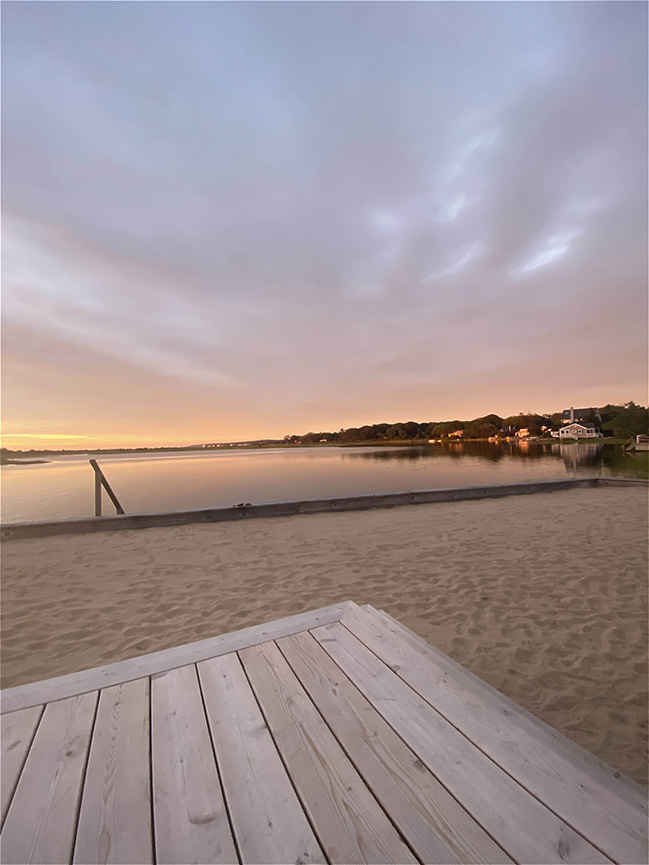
x,y
100,480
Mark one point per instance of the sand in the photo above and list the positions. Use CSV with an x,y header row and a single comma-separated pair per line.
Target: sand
x,y
543,596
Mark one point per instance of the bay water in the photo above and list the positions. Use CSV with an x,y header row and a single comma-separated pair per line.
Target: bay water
x,y
188,480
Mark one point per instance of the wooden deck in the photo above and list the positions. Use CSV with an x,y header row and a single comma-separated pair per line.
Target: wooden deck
x,y
333,736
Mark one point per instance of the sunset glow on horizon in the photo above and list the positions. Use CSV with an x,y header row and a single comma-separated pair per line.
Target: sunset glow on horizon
x,y
235,221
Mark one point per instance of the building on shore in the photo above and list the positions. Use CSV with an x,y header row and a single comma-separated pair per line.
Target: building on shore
x,y
577,431
570,415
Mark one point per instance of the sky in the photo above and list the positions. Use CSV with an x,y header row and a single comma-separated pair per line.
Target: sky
x,y
227,221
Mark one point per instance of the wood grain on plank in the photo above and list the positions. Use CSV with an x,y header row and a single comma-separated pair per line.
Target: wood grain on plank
x,y
626,788
267,816
350,824
115,817
518,822
41,820
601,773
23,696
191,824
611,815
18,730
437,828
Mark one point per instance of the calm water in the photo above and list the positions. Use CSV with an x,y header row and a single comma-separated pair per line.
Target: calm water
x,y
185,481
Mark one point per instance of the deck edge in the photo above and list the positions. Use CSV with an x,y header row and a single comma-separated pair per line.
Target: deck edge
x,y
119,672
578,752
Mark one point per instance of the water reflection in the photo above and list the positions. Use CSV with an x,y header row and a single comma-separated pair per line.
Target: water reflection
x,y
492,451
596,457
579,454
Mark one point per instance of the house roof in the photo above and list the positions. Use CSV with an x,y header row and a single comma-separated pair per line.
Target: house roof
x,y
578,411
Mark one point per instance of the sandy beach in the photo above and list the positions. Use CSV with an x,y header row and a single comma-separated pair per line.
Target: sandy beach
x,y
543,596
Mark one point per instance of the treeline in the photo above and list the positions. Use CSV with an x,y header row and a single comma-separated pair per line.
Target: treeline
x,y
619,421
624,421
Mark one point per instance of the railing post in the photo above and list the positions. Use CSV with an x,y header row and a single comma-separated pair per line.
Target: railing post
x,y
97,492
100,480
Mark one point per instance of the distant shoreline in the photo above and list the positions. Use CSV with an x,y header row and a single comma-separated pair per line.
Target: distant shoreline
x,y
18,457
12,462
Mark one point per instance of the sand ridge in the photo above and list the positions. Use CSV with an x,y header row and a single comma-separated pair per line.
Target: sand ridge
x,y
543,596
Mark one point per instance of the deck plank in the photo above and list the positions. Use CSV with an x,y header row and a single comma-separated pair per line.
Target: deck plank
x,y
40,823
18,730
115,816
611,815
267,817
353,741
191,823
351,826
601,773
60,687
437,828
522,825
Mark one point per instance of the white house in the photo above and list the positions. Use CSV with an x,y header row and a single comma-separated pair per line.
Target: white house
x,y
577,431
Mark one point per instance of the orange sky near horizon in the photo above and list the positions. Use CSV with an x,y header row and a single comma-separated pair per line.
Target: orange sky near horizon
x,y
158,411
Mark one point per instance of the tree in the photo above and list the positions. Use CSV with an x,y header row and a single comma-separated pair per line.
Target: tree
x,y
483,427
625,421
348,435
442,430
367,433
